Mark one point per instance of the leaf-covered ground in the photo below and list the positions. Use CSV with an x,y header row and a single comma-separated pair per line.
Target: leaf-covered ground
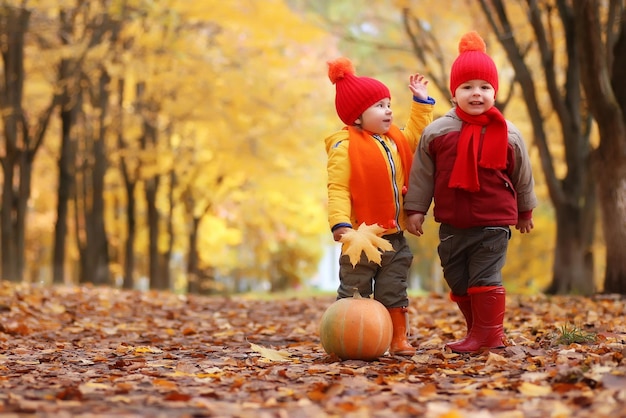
x,y
102,352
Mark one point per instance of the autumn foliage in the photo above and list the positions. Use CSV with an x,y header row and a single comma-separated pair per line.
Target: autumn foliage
x,y
69,351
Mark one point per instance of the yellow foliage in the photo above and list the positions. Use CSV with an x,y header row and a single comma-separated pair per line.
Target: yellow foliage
x,y
366,239
240,103
217,242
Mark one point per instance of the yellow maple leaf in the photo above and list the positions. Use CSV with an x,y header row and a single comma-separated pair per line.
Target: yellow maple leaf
x,y
366,239
270,354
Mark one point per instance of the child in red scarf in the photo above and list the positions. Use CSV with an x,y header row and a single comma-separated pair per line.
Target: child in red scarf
x,y
475,166
368,168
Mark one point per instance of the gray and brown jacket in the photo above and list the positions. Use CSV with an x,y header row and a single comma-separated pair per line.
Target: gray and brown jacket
x,y
504,196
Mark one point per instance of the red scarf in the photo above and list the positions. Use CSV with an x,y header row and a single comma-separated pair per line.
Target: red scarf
x,y
370,183
493,153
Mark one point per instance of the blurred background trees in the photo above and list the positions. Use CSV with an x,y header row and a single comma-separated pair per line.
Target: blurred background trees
x,y
179,145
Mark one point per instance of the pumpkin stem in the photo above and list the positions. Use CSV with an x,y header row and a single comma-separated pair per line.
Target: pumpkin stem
x,y
356,294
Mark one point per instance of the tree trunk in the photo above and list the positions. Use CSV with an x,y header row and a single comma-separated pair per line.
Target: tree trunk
x,y
193,274
100,241
573,256
14,22
603,73
612,192
22,141
95,262
130,184
70,105
167,255
65,186
25,165
131,226
613,197
151,186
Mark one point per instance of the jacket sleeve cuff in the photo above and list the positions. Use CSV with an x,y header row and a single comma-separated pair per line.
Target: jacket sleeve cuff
x,y
429,100
413,212
341,225
526,215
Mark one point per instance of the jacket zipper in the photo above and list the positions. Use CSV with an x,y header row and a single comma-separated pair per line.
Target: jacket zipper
x,y
394,184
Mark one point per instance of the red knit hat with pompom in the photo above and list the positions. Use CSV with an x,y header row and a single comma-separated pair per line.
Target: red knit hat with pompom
x,y
353,94
473,63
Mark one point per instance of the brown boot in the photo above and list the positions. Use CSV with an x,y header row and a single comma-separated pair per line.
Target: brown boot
x,y
399,344
488,305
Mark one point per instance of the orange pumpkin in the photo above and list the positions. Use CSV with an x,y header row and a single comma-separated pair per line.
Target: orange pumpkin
x,y
356,328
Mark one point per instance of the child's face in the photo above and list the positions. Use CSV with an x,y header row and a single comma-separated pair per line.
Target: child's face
x,y
377,118
475,97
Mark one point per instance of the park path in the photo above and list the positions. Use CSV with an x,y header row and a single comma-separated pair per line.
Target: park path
x,y
102,352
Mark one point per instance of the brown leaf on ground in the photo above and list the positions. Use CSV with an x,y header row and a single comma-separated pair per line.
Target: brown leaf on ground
x,y
81,351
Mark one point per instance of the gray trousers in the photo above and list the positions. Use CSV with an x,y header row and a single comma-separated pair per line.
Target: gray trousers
x,y
388,282
472,257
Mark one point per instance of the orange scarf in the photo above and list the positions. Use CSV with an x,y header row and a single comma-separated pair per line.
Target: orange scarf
x,y
370,183
492,155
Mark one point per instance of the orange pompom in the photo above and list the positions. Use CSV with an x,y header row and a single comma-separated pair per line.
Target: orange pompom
x,y
472,41
339,68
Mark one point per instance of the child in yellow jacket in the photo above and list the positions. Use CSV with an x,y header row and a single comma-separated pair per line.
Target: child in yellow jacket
x,y
369,161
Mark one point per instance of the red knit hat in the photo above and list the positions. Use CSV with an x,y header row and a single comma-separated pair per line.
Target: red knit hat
x,y
473,63
353,94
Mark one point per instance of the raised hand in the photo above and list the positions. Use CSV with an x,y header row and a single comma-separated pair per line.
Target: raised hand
x,y
418,84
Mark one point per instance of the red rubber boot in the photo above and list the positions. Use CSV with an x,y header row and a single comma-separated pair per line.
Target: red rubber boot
x,y
488,305
399,343
465,305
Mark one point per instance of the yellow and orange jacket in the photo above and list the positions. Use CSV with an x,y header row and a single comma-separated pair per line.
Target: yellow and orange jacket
x,y
341,198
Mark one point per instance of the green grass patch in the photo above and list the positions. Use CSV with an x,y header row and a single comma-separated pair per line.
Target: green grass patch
x,y
570,334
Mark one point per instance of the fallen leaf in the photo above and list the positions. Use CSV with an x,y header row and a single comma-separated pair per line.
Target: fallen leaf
x,y
152,350
270,354
530,389
494,359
